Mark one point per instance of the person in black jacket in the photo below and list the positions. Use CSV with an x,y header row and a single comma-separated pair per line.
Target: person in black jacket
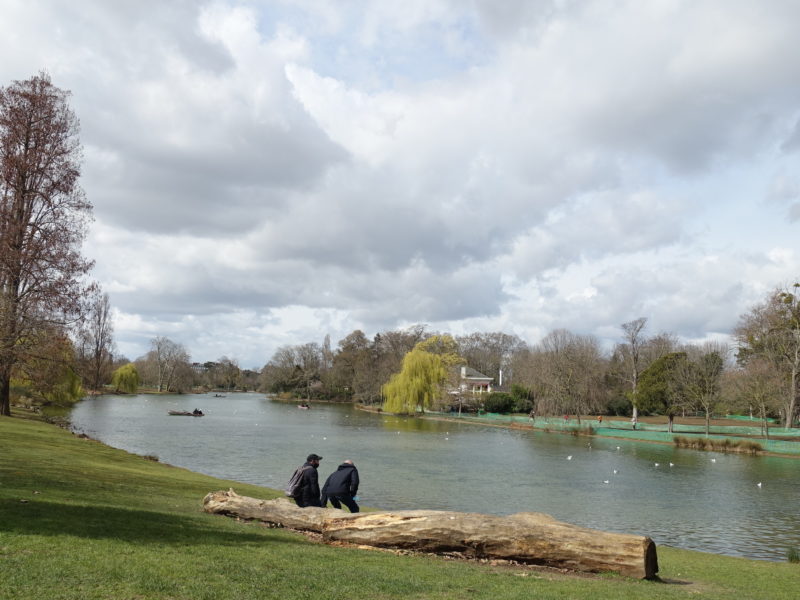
x,y
309,488
341,487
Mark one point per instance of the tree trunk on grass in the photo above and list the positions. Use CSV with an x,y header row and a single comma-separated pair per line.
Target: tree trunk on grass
x,y
533,538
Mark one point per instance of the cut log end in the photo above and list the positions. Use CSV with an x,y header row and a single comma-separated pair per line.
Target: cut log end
x,y
650,559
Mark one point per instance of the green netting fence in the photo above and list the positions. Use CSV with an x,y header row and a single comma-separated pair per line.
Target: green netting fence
x,y
644,431
746,418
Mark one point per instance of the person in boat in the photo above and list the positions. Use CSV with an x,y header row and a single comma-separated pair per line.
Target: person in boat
x,y
341,487
197,411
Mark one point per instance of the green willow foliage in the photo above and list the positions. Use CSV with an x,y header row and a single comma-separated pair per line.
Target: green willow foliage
x,y
67,391
126,379
420,382
416,385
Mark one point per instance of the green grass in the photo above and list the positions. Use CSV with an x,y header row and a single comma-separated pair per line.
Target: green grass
x,y
79,520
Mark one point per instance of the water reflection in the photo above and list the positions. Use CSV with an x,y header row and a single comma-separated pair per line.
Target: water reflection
x,y
608,484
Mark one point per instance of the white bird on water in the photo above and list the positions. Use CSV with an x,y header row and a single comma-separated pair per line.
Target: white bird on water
x,y
657,464
605,481
759,484
713,460
569,457
671,464
615,471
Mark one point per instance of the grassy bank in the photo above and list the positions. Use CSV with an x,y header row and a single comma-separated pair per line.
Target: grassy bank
x,y
84,521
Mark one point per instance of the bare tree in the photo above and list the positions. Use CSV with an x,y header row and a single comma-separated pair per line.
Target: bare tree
x,y
759,384
655,347
700,377
43,218
293,368
490,353
169,358
227,373
96,342
633,346
772,331
571,373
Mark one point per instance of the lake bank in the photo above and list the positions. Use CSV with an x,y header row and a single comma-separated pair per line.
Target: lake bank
x,y
82,520
648,430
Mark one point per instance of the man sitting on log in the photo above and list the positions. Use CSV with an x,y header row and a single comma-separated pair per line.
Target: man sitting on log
x,y
308,494
341,487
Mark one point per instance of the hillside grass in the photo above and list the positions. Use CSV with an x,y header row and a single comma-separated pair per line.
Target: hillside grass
x,y
80,520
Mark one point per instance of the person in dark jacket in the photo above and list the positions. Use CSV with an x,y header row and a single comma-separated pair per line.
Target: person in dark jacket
x,y
341,487
309,488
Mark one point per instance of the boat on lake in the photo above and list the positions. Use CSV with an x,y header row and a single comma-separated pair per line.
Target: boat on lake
x,y
185,413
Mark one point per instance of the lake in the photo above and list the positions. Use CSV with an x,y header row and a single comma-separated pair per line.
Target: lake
x,y
705,501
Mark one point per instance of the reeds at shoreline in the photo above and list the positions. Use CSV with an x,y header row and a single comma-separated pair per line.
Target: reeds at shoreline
x,y
718,445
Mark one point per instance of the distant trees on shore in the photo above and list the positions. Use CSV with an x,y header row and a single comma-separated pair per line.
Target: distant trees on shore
x,y
569,373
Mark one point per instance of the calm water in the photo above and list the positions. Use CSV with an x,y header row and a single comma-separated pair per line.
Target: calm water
x,y
706,501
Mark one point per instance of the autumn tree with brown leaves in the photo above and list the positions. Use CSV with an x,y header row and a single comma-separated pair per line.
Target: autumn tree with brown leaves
x,y
43,219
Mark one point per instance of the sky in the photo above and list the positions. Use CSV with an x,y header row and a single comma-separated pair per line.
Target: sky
x,y
266,173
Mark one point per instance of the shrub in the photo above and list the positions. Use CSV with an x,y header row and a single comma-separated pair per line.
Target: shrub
x,y
499,402
523,405
713,444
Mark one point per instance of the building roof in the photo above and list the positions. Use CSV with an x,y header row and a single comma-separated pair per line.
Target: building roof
x,y
470,373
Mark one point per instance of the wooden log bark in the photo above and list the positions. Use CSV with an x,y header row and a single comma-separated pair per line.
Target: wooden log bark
x,y
280,511
533,538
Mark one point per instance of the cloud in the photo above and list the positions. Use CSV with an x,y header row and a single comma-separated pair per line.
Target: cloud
x,y
264,172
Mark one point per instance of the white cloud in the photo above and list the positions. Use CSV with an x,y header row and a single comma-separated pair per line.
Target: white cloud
x,y
264,172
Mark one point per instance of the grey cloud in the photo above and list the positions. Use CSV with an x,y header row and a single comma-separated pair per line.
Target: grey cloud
x,y
785,190
596,226
792,142
689,299
508,18
224,191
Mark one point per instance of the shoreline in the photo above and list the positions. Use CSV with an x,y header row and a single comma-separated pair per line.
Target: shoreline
x,y
587,429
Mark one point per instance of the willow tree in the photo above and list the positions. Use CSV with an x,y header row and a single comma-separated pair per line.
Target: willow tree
x,y
423,376
43,217
126,379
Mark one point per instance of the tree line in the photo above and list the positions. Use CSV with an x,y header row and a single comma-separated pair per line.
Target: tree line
x,y
565,372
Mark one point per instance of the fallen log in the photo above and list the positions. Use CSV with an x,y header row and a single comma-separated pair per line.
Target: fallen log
x,y
533,538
